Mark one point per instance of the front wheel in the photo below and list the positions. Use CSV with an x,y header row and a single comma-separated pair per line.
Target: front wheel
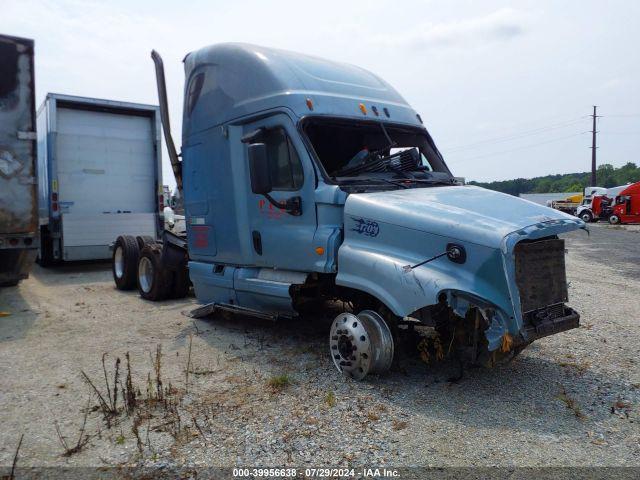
x,y
586,216
614,219
361,344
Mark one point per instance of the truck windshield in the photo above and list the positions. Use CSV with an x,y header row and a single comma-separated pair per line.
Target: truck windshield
x,y
373,152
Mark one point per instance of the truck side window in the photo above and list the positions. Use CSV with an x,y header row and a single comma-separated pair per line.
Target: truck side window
x,y
286,172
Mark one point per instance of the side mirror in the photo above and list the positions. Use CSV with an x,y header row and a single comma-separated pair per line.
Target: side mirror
x,y
259,169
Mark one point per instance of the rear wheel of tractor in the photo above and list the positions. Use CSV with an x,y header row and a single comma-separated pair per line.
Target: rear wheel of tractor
x,y
154,281
144,240
124,264
361,344
586,216
614,219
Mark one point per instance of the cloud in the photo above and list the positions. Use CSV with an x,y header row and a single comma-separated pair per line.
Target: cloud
x,y
499,26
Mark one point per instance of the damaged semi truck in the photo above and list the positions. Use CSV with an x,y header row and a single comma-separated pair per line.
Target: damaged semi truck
x,y
306,180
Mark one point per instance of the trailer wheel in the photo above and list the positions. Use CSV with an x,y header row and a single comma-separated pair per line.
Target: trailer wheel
x,y
144,240
361,344
614,219
154,281
586,216
124,264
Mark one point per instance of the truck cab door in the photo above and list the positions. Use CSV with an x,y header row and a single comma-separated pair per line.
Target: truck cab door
x,y
279,239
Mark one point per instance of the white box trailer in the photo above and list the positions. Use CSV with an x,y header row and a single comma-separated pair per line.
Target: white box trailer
x,y
100,175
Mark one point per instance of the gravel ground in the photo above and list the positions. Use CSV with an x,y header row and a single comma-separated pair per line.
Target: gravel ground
x,y
267,394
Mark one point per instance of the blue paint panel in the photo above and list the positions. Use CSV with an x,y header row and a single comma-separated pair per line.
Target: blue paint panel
x,y
210,286
263,295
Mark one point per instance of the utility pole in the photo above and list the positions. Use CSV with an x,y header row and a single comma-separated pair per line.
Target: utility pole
x,y
593,148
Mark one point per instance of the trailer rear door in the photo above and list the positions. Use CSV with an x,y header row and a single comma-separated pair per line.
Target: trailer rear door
x,y
18,198
107,174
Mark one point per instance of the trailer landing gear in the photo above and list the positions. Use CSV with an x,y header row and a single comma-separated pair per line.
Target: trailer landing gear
x,y
361,344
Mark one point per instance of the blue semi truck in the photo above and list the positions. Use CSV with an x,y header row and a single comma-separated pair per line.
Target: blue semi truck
x,y
306,180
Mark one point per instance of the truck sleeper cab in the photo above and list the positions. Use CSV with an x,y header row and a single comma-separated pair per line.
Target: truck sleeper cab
x,y
307,180
626,208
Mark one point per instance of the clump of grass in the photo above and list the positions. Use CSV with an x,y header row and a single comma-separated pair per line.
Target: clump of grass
x,y
373,416
580,367
570,403
330,399
278,383
399,424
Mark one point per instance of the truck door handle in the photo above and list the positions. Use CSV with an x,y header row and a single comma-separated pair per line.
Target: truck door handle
x,y
257,241
293,205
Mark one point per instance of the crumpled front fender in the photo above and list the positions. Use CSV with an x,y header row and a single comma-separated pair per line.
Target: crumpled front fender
x,y
404,291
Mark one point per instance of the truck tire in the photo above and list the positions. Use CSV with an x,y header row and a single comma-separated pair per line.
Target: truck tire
x,y
124,264
586,216
144,240
154,281
614,219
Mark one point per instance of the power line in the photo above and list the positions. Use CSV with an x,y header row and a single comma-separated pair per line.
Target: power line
x,y
515,136
533,145
619,133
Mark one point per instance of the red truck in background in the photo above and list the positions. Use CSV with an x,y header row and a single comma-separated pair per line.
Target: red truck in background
x,y
596,206
626,208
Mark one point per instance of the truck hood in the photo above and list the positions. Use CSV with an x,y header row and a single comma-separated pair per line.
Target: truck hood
x,y
467,213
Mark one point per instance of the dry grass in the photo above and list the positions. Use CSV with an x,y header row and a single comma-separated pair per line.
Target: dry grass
x,y
373,416
580,367
330,399
399,425
570,403
278,383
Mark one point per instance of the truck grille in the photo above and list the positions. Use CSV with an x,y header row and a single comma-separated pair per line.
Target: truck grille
x,y
540,274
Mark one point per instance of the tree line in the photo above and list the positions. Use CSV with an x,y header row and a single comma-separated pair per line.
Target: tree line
x,y
607,176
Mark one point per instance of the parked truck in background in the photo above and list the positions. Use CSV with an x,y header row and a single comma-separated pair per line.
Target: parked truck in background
x,y
626,207
307,181
100,174
18,183
597,203
567,205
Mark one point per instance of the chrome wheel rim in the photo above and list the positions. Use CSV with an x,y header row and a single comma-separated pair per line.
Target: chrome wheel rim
x,y
118,262
145,274
361,344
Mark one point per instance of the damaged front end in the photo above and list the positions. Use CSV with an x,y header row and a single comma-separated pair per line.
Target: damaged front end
x,y
534,267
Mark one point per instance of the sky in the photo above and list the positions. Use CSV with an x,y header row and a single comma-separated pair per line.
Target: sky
x,y
505,88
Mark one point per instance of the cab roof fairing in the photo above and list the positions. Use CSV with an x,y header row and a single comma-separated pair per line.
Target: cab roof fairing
x,y
241,80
